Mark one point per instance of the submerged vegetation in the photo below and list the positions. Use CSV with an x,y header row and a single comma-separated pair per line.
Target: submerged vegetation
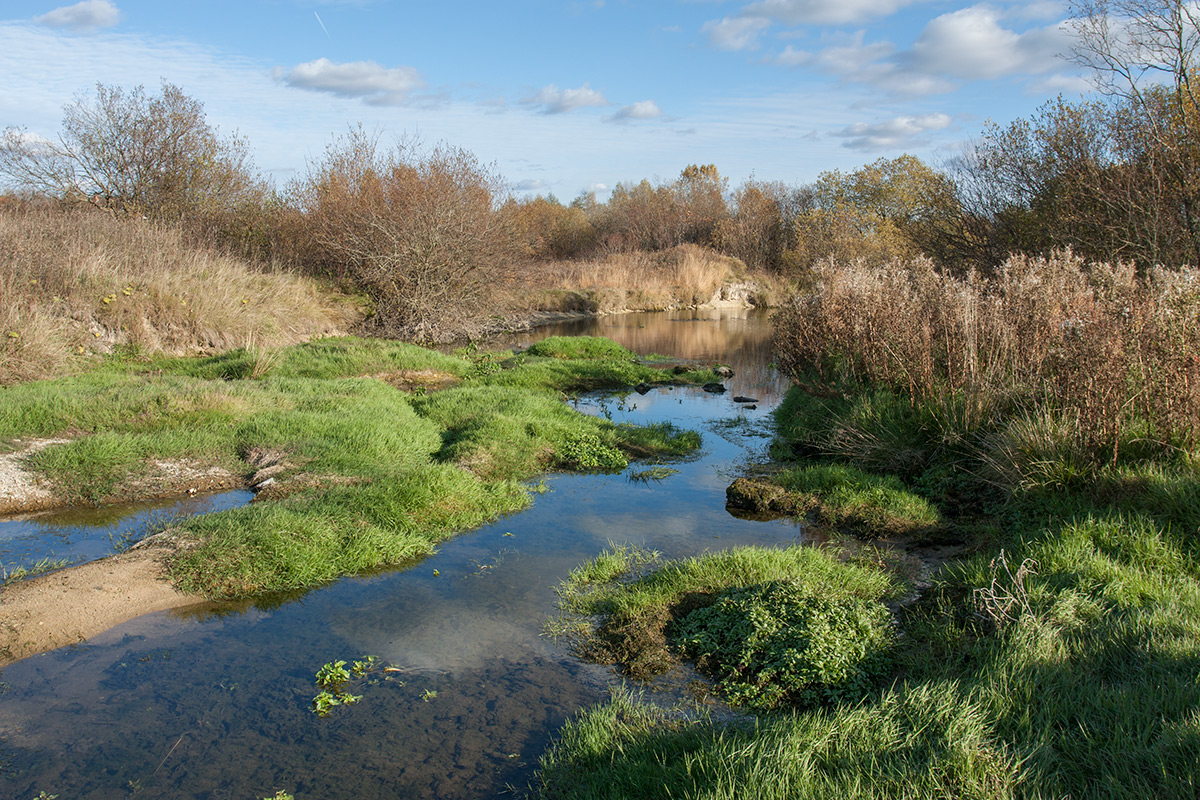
x,y
353,473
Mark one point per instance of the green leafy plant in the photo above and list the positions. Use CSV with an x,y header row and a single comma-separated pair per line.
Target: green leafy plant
x,y
587,452
332,680
779,643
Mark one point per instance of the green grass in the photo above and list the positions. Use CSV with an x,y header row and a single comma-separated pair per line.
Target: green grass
x,y
869,505
374,476
1072,672
576,347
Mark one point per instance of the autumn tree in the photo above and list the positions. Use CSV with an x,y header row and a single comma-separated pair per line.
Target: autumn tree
x,y
131,152
1143,55
418,229
892,208
650,216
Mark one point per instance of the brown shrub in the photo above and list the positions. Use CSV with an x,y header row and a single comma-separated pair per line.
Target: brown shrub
x,y
1098,346
417,230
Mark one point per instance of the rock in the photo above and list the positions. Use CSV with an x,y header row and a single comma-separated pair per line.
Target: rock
x,y
642,388
742,399
750,407
723,371
715,388
266,474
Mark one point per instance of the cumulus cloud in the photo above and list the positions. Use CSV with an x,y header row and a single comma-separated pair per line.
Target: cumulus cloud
x,y
530,185
375,84
829,12
892,134
86,16
971,43
560,101
963,45
735,33
646,109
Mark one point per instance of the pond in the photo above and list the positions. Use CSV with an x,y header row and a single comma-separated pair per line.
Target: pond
x,y
216,704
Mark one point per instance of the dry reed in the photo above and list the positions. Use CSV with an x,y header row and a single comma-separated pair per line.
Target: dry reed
x,y
80,283
1103,352
679,277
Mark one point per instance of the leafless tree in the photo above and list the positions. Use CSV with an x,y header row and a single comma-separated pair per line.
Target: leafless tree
x,y
129,152
419,230
1143,52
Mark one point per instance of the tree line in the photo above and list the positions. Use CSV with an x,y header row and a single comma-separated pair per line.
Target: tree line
x,y
425,229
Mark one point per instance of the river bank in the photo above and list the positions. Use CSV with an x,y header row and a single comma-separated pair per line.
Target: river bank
x,y
464,623
438,445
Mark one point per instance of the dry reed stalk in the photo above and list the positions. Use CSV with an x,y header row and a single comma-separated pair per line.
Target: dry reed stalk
x,y
81,282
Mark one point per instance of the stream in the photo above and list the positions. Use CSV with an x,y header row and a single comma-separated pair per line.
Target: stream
x,y
215,704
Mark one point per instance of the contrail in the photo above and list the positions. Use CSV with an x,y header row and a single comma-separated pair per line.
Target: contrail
x,y
322,24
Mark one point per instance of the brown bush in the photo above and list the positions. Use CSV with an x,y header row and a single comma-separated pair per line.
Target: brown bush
x,y
417,230
656,217
546,229
1100,348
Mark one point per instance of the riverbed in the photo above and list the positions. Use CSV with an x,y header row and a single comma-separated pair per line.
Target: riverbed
x,y
216,703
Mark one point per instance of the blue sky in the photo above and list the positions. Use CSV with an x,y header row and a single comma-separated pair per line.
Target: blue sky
x,y
562,96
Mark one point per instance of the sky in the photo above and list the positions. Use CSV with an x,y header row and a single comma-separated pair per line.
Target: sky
x,y
562,97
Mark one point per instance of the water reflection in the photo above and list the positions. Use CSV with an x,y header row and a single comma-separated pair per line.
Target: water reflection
x,y
173,707
85,534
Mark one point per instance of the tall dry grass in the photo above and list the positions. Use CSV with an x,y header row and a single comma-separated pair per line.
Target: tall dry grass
x,y
1052,354
682,276
80,283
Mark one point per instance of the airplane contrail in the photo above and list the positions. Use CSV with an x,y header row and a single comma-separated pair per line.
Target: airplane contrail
x,y
322,24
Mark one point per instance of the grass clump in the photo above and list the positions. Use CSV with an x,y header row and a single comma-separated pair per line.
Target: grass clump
x,y
867,504
779,643
644,618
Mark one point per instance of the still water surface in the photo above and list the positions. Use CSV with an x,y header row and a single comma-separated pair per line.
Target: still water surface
x,y
217,706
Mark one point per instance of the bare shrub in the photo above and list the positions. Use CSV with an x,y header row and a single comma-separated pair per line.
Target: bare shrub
x,y
132,153
418,230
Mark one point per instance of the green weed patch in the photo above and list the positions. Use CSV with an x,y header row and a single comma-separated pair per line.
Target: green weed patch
x,y
365,475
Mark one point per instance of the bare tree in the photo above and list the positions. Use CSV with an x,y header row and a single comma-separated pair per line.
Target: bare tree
x,y
1143,52
132,152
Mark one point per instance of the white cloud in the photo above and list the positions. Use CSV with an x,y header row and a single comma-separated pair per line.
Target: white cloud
x,y
646,109
530,185
971,43
560,101
86,16
735,33
964,45
831,12
892,134
377,85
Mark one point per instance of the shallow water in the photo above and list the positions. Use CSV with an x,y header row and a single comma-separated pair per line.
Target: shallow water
x,y
179,706
78,535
